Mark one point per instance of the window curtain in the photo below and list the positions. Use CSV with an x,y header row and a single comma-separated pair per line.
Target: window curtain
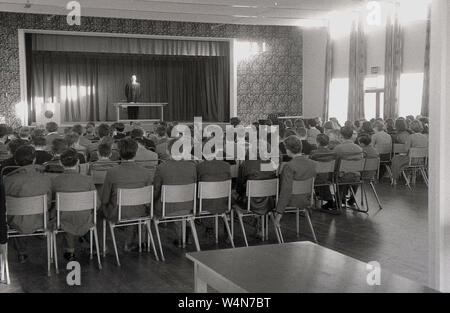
x,y
328,75
357,70
393,64
426,74
87,85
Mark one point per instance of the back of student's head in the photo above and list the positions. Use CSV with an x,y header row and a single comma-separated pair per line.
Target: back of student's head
x,y
367,126
348,124
299,123
59,145
120,127
51,127
293,144
379,126
13,145
137,133
72,138
302,133
347,132
108,140
3,130
357,124
24,132
312,122
416,126
334,134
161,131
103,130
400,125
288,124
328,126
78,129
39,141
24,155
104,150
69,158
37,132
127,148
366,140
322,140
290,132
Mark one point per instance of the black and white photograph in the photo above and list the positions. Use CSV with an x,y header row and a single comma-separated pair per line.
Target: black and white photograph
x,y
197,150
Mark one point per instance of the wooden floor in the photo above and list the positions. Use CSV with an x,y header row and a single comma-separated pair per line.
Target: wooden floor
x,y
396,237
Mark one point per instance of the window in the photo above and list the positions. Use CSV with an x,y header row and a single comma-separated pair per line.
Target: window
x,y
411,88
374,97
338,106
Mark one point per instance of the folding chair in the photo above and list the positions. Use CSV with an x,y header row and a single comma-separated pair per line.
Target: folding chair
x,y
77,202
256,189
30,206
98,170
417,162
323,168
371,166
4,267
177,194
215,190
83,168
385,151
132,197
399,148
306,188
348,167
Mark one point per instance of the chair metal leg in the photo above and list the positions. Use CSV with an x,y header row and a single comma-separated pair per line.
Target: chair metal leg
x,y
104,238
241,223
97,247
6,266
363,192
227,227
407,180
275,227
263,230
155,223
183,234
308,218
297,222
216,227
424,176
194,233
91,254
49,248
232,223
376,195
55,249
358,209
140,236
111,228
152,241
2,268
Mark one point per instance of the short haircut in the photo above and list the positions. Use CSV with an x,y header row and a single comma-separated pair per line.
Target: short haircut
x,y
127,148
347,132
328,125
39,141
120,127
69,158
299,123
312,123
24,155
67,130
293,144
37,132
59,145
416,126
16,144
379,125
103,130
357,124
108,140
288,123
367,127
301,132
72,138
104,150
24,132
290,132
78,129
400,125
322,140
3,130
51,127
161,130
365,140
137,133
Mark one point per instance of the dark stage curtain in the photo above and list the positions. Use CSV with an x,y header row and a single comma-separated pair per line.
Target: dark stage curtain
x,y
86,85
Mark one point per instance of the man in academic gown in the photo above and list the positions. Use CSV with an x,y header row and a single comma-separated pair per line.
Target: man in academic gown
x,y
133,94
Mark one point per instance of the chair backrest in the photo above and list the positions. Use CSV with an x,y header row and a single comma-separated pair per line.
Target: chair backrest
x,y
27,206
384,148
76,202
303,187
399,148
351,166
418,156
98,171
178,194
214,190
133,197
325,167
261,188
371,164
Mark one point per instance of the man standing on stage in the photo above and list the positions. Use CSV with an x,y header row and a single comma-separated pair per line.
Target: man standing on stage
x,y
133,94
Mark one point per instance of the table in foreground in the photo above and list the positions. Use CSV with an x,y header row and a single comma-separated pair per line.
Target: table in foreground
x,y
123,105
290,268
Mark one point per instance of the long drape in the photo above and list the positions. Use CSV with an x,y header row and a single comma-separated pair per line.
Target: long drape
x,y
393,65
87,85
357,70
328,75
426,75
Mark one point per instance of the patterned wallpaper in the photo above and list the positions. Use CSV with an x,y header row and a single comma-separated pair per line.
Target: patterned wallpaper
x,y
268,82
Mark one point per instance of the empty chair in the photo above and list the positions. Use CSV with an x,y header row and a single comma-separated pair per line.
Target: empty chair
x,y
77,202
344,178
31,206
215,191
418,158
257,189
300,188
171,194
132,197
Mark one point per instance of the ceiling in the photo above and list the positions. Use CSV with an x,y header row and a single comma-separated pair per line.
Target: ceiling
x,y
255,12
